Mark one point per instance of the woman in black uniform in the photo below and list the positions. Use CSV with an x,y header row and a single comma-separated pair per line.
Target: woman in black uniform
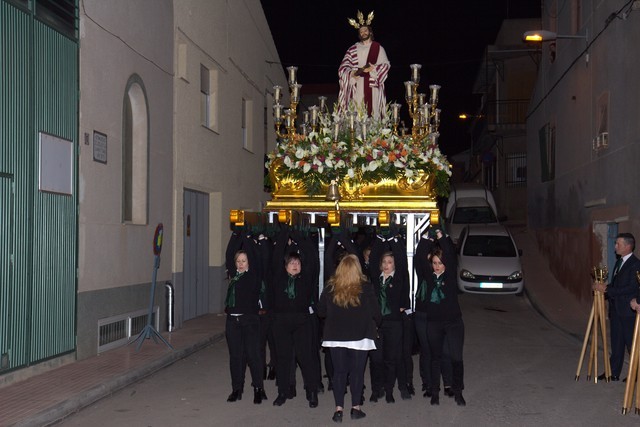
x,y
392,289
444,318
243,325
292,291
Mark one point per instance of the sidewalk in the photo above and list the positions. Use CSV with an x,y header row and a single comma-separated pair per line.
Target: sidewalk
x,y
49,397
546,295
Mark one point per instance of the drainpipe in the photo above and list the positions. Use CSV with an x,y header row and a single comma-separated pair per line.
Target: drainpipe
x,y
170,300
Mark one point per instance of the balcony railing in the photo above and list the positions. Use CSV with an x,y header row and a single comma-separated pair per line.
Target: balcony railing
x,y
509,113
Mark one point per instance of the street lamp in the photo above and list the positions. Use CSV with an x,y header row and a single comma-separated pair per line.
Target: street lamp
x,y
548,36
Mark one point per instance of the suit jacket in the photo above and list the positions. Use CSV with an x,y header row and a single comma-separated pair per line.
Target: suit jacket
x,y
623,288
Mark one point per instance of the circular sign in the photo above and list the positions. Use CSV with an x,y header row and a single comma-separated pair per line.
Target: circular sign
x,y
157,240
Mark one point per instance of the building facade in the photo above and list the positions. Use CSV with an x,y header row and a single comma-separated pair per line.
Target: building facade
x,y
116,117
583,136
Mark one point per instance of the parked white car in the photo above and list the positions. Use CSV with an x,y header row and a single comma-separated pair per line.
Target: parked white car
x,y
489,261
468,204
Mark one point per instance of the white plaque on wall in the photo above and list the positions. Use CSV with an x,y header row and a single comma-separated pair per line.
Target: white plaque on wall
x,y
99,147
55,164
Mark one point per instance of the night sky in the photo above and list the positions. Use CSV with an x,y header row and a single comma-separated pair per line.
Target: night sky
x,y
447,37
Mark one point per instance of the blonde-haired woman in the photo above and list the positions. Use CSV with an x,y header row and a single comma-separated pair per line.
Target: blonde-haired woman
x,y
351,310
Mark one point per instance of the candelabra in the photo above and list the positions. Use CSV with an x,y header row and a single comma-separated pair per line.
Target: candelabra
x,y
423,112
425,115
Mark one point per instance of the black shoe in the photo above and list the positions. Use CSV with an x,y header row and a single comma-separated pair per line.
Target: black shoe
x,y
405,394
312,397
263,395
374,396
292,392
425,387
356,414
337,417
235,395
280,400
329,386
448,392
603,377
435,399
389,397
460,400
624,380
257,395
320,388
427,393
271,375
411,389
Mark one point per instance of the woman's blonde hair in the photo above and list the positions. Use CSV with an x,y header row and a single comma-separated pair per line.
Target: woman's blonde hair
x,y
347,281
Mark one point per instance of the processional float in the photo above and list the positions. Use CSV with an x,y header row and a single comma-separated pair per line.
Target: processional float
x,y
345,169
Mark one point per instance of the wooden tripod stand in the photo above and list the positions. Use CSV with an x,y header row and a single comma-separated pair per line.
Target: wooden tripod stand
x,y
597,320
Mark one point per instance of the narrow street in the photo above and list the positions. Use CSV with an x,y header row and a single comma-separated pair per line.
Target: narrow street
x,y
519,371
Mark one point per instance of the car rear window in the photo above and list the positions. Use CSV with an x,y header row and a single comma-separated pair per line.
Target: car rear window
x,y
491,246
474,215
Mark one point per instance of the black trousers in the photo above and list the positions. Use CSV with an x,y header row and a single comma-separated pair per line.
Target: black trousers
x,y
408,341
293,336
386,361
621,338
266,338
420,321
450,332
243,340
348,363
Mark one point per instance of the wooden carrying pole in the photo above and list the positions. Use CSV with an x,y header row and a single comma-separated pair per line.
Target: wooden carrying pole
x,y
597,320
633,371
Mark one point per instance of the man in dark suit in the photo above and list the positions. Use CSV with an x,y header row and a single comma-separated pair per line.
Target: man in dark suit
x,y
622,289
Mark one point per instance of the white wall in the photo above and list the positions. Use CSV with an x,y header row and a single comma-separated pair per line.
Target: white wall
x,y
120,38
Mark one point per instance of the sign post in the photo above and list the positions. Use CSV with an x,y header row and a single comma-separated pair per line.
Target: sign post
x,y
149,331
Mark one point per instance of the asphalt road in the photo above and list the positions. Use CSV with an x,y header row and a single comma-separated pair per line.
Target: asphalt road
x,y
519,371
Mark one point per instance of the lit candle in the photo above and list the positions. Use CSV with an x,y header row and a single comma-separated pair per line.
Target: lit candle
x,y
364,130
408,85
434,94
277,93
352,120
336,131
422,98
436,116
323,103
277,112
415,72
395,112
305,117
314,114
295,92
287,117
292,74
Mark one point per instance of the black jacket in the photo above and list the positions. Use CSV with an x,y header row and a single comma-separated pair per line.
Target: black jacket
x,y
623,288
249,285
352,323
448,308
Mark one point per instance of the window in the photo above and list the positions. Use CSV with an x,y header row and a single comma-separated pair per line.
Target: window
x,y
516,169
209,98
135,153
59,14
547,137
247,124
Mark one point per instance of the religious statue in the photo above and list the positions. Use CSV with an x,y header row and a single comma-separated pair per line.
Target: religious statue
x,y
363,71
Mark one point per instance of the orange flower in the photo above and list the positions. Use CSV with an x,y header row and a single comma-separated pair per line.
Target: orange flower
x,y
392,157
403,152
